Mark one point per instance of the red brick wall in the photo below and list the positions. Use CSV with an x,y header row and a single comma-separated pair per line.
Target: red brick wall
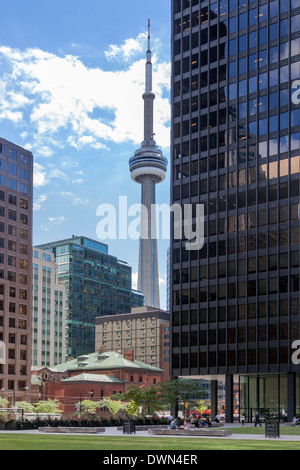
x,y
69,394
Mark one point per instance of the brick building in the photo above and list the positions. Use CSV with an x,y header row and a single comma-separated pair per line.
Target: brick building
x,y
92,377
142,334
16,192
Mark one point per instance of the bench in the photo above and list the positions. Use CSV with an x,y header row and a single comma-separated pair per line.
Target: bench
x,y
67,430
218,425
145,427
190,432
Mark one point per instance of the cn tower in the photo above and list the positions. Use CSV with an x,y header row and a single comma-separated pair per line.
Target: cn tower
x,y
148,167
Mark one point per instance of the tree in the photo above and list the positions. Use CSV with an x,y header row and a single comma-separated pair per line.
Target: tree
x,y
200,407
49,406
3,404
24,405
88,407
147,398
117,406
180,390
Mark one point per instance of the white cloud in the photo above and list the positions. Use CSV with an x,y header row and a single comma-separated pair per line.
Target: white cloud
x,y
39,176
38,202
43,174
129,48
76,200
53,221
95,107
57,220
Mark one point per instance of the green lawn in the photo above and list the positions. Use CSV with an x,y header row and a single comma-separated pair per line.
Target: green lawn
x,y
42,442
284,431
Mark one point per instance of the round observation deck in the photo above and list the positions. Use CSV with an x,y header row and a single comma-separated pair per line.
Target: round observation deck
x,y
148,161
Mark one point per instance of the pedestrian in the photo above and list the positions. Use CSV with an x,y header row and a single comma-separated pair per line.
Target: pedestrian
x,y
243,419
218,418
170,418
257,420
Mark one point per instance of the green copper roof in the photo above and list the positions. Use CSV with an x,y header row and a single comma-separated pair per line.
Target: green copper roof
x,y
102,361
93,378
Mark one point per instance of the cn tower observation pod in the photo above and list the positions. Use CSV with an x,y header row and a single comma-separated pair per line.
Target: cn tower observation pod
x,y
148,161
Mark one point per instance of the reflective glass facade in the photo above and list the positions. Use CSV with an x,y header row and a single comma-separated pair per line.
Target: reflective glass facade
x,y
235,149
267,394
97,284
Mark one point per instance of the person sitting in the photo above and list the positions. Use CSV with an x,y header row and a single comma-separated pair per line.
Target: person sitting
x,y
208,423
296,421
173,424
186,424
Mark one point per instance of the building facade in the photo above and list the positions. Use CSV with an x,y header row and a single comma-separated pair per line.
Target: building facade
x,y
168,278
48,311
137,299
16,188
97,284
92,377
235,148
143,335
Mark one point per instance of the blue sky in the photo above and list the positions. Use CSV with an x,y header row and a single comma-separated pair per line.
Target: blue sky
x,y
71,84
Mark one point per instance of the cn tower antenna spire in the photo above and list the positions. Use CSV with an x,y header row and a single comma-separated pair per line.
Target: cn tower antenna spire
x,y
148,88
149,36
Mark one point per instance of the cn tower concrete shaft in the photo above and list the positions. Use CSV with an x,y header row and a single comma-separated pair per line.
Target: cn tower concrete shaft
x,y
148,167
148,278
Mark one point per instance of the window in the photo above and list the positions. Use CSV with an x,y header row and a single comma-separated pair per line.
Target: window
x,y
24,174
12,153
24,234
24,159
23,203
12,215
24,219
12,199
23,249
24,188
12,230
12,169
12,184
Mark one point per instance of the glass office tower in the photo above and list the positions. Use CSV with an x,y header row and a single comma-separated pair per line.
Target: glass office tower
x,y
96,283
235,147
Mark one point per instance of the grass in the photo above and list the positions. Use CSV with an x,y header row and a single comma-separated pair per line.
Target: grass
x,y
100,443
284,431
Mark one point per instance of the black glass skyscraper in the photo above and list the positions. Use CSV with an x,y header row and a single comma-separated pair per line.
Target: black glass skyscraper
x,y
236,146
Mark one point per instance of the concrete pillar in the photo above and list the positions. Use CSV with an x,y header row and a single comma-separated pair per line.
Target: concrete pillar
x,y
291,395
174,407
214,398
